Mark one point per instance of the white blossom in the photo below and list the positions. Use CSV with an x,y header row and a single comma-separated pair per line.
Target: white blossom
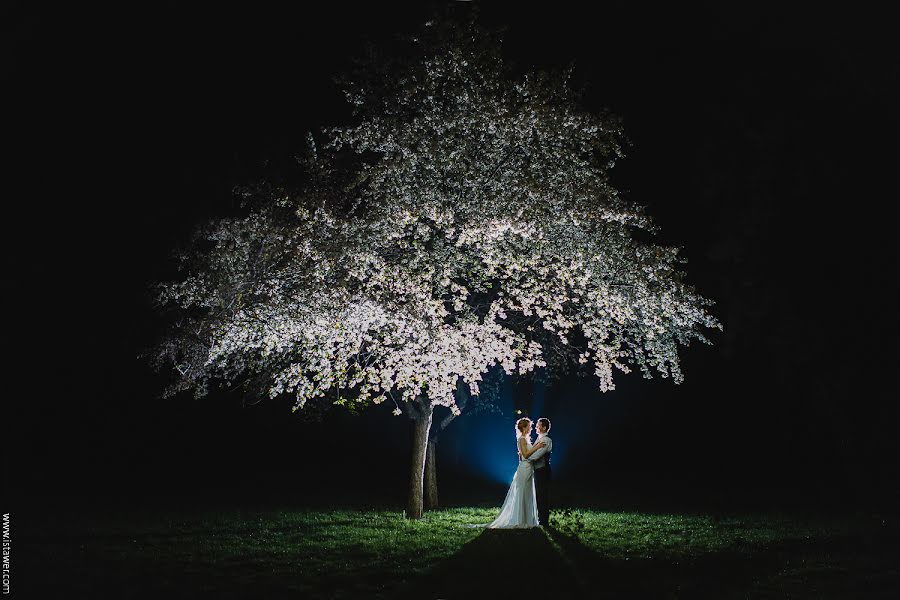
x,y
476,227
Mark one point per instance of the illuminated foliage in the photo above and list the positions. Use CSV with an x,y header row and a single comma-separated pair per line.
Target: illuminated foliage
x,y
464,219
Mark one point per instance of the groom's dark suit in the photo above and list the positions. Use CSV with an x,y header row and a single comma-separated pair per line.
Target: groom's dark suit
x,y
542,476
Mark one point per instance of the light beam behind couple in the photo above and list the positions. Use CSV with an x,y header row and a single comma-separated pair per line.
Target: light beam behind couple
x,y
527,501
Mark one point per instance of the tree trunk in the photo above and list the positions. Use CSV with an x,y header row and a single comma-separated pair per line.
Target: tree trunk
x,y
431,486
431,489
421,412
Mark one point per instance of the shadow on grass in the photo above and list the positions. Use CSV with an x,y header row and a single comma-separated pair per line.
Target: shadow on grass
x,y
555,563
501,563
509,563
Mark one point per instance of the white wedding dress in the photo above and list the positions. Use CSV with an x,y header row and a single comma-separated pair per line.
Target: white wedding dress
x,y
519,510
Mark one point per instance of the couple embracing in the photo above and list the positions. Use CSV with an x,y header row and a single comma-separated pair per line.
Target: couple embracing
x,y
527,501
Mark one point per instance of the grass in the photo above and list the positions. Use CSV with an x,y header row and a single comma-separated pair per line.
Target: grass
x,y
295,553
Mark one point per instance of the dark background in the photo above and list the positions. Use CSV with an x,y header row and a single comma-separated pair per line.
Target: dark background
x,y
764,143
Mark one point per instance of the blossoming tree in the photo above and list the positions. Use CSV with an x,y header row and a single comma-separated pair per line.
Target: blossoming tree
x,y
463,220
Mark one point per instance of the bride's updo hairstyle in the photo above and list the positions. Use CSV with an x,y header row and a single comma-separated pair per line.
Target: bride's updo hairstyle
x,y
523,425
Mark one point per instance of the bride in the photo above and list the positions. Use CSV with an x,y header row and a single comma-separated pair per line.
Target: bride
x,y
519,510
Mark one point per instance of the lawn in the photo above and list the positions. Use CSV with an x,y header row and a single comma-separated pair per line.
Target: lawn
x,y
303,553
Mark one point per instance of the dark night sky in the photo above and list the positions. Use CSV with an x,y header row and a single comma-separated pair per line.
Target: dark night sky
x,y
764,143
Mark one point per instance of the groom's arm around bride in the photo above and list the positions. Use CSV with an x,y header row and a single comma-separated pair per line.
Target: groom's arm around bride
x,y
547,444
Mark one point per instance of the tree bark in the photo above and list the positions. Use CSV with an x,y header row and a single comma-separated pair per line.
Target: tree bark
x,y
420,412
431,489
430,484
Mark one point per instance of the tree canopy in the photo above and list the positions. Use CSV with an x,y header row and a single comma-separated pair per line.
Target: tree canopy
x,y
463,219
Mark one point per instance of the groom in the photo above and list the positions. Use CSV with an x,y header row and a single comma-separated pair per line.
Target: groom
x,y
542,473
